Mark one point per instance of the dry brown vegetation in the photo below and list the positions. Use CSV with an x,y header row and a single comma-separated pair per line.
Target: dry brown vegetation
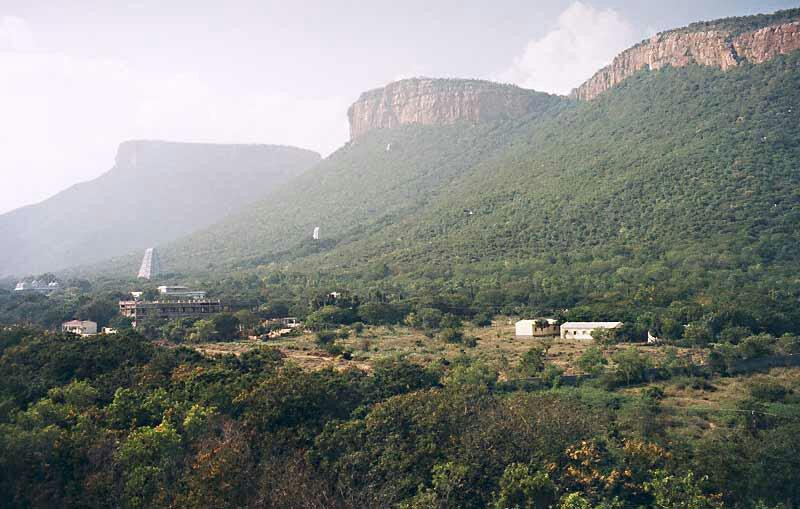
x,y
496,345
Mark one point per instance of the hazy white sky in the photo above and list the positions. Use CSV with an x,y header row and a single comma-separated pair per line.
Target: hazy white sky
x,y
77,77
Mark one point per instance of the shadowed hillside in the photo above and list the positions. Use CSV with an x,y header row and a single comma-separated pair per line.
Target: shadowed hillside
x,y
156,192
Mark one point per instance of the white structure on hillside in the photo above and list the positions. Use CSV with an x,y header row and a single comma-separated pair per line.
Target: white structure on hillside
x,y
80,327
151,264
653,340
315,235
542,327
37,286
583,330
181,291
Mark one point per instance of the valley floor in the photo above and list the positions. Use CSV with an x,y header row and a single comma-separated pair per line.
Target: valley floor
x,y
496,345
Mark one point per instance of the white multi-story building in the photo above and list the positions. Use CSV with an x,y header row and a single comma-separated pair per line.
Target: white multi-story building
x,y
583,330
80,327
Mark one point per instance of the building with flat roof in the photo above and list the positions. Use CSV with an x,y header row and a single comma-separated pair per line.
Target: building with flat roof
x,y
583,330
138,310
542,327
80,327
181,292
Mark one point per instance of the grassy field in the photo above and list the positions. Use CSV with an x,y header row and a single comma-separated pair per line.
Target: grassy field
x,y
495,345
692,406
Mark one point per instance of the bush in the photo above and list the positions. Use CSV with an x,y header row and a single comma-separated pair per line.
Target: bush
x,y
425,318
753,347
380,313
734,335
451,335
768,390
330,315
592,361
450,321
551,375
334,349
482,320
325,338
788,344
532,362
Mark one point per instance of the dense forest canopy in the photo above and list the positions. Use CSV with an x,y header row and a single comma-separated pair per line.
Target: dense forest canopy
x,y
115,421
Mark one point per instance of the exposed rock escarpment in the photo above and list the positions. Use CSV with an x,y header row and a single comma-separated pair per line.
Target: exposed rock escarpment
x,y
440,102
717,48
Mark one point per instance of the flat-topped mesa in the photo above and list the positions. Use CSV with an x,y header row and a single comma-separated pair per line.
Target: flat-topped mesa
x,y
722,48
429,101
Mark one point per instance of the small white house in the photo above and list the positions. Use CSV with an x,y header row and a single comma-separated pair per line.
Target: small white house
x,y
80,327
536,328
583,330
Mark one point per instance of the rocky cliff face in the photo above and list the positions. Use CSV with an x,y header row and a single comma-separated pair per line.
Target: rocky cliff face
x,y
440,102
717,48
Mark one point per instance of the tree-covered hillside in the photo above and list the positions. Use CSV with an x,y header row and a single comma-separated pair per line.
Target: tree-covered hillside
x,y
156,192
678,185
356,193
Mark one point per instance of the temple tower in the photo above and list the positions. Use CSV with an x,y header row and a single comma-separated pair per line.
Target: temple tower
x,y
151,264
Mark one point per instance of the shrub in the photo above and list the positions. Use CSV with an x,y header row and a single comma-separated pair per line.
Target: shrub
x,y
325,338
592,361
768,390
328,315
451,335
532,362
380,313
753,347
482,320
551,375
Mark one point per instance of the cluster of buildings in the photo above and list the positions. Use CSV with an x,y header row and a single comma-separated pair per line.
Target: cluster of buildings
x,y
173,302
548,327
84,328
37,287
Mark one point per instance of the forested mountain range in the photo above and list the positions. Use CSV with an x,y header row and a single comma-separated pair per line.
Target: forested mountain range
x,y
156,192
679,184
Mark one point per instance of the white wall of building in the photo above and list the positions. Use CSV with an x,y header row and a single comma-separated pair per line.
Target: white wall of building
x,y
583,330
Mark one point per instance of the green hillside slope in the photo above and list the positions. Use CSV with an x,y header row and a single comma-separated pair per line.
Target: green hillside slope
x,y
677,185
156,192
366,186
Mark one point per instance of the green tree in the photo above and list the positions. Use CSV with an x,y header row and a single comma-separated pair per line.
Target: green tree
x,y
533,361
204,330
671,491
631,364
522,487
226,326
148,462
592,361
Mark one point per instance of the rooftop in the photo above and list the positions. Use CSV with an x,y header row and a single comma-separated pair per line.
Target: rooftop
x,y
590,325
